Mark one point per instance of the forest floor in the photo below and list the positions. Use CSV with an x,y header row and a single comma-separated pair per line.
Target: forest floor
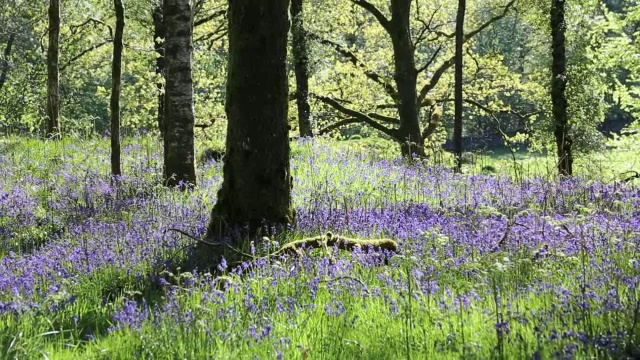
x,y
508,262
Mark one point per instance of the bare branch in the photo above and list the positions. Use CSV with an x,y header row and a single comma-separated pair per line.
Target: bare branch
x,y
357,114
375,12
388,88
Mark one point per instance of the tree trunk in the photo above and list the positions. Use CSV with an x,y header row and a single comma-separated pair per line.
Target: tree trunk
x,y
558,86
159,34
179,153
4,64
457,126
406,75
301,68
256,190
53,72
116,87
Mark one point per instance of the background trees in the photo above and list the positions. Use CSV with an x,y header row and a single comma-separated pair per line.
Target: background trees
x,y
53,71
116,88
558,86
351,63
178,119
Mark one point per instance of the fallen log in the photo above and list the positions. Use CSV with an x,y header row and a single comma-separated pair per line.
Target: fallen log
x,y
341,242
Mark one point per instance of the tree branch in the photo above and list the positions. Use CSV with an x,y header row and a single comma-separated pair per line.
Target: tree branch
x,y
338,125
95,22
384,118
435,78
84,52
388,88
206,19
504,13
486,109
375,12
431,60
217,34
449,63
358,115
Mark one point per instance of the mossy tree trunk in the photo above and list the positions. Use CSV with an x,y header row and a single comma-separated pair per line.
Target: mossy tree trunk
x,y
159,34
301,68
116,87
179,153
256,190
558,86
53,72
457,125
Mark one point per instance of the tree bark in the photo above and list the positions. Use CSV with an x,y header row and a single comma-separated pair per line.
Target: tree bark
x,y
116,87
179,153
558,86
159,34
457,125
256,190
301,68
406,76
53,72
4,64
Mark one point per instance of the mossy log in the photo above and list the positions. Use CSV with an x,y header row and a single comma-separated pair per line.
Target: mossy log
x,y
341,242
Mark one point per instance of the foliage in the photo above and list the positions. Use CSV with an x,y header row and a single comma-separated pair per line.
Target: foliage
x,y
506,65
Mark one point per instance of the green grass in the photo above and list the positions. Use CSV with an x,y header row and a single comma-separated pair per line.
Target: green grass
x,y
356,315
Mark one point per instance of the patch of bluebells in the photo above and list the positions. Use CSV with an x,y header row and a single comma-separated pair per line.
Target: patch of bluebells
x,y
437,216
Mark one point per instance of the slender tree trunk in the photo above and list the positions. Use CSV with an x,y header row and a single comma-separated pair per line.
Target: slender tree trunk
x,y
159,34
256,190
53,72
179,153
301,64
4,64
558,86
116,87
406,77
457,126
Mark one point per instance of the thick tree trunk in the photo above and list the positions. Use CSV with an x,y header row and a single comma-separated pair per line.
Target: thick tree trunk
x,y
53,72
116,87
179,153
405,76
159,33
558,86
301,68
457,126
4,64
256,191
